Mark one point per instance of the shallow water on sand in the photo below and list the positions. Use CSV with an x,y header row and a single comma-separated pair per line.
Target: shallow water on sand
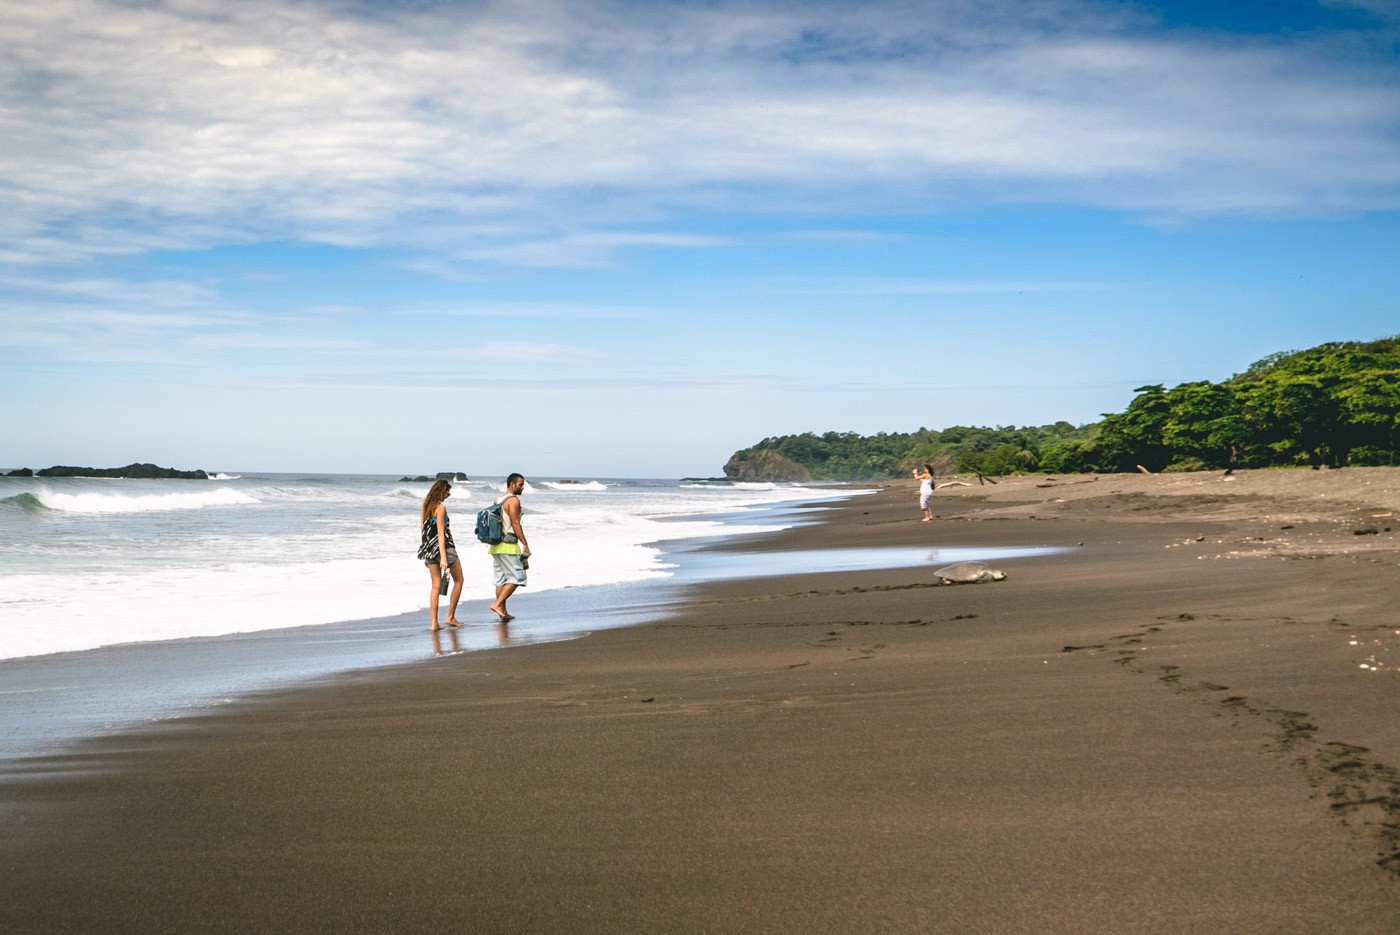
x,y
48,702
711,566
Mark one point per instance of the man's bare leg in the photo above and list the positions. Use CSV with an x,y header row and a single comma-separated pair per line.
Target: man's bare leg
x,y
503,593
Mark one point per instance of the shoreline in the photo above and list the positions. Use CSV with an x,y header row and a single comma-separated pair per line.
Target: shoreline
x,y
127,687
1163,729
97,562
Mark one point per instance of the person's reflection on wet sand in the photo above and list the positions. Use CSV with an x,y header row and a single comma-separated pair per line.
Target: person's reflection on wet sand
x,y
453,645
503,633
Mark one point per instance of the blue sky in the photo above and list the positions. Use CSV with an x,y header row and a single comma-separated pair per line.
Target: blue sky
x,y
625,239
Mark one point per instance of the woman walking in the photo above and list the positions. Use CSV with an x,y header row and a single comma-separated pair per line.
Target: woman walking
x,y
439,552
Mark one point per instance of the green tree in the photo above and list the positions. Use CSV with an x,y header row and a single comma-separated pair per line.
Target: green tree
x,y
1066,457
1370,405
1205,422
1135,436
1297,418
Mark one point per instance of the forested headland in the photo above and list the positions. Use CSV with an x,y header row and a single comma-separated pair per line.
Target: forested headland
x,y
1329,406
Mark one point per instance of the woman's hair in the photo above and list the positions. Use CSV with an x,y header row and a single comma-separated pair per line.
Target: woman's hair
x,y
929,469
436,494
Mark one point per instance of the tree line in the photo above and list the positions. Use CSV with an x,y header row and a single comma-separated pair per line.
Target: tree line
x,y
1328,406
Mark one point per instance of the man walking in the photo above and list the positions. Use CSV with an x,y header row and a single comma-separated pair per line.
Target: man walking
x,y
510,556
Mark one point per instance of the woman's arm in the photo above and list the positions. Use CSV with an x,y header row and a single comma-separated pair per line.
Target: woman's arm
x,y
441,514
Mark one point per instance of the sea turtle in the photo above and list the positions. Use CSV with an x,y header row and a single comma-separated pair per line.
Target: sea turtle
x,y
968,573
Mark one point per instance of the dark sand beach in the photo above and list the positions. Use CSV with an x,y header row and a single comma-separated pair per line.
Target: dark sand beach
x,y
1187,722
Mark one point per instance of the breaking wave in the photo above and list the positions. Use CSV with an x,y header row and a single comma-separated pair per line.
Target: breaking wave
x,y
574,485
138,503
25,501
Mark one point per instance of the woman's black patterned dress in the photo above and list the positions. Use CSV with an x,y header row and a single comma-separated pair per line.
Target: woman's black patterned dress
x,y
428,551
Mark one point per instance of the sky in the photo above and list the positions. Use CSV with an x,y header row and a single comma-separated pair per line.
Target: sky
x,y
624,239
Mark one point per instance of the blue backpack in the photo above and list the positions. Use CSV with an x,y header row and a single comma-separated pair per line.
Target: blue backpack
x,y
490,528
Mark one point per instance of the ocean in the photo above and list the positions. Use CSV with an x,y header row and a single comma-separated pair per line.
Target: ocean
x,y
127,603
92,562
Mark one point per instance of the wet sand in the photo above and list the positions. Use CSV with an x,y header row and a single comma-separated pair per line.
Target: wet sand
x,y
1187,722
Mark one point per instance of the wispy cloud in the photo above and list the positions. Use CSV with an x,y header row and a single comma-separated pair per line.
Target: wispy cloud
x,y
539,132
891,287
509,313
132,293
653,383
195,338
585,249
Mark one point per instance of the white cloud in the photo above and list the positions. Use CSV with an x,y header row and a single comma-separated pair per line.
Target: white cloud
x,y
165,293
509,312
531,351
891,287
542,133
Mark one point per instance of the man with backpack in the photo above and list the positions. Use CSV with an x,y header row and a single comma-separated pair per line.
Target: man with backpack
x,y
511,555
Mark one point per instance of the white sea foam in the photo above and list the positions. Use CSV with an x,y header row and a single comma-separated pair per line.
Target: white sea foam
x,y
574,486
101,567
141,503
225,476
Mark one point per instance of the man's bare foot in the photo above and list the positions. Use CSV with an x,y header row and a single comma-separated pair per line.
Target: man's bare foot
x,y
454,622
435,628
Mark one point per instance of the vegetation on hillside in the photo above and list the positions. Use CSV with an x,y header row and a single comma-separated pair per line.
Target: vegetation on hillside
x,y
1331,405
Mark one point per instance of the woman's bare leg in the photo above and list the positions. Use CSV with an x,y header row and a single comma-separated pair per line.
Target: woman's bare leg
x,y
435,574
452,620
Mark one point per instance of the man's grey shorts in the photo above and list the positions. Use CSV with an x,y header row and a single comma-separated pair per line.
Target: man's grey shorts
x,y
510,569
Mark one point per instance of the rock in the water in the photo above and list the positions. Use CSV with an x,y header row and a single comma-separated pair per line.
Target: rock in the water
x,y
144,471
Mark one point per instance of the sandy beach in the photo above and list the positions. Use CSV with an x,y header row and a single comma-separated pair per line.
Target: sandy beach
x,y
1184,722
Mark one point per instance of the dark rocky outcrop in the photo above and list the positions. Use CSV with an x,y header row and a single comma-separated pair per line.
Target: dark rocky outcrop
x,y
138,471
441,475
764,464
452,475
22,472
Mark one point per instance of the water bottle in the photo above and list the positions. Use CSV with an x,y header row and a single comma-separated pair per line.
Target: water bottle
x,y
442,585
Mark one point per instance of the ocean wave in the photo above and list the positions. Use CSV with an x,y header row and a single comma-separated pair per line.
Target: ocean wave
x,y
24,501
327,493
225,476
130,591
573,485
140,503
